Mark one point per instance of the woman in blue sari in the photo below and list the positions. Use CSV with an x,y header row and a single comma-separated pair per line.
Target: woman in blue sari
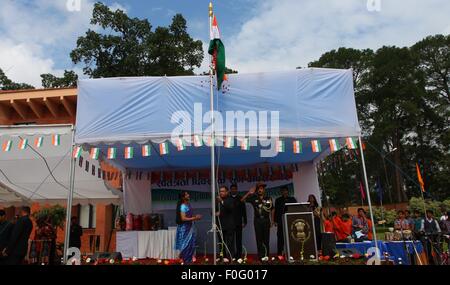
x,y
185,238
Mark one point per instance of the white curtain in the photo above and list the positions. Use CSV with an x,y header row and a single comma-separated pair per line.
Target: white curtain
x,y
137,195
306,182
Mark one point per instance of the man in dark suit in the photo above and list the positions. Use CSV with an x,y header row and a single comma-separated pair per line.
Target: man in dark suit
x,y
225,221
17,248
240,220
5,233
280,202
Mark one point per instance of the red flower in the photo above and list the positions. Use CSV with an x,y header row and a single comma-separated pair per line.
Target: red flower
x,y
356,256
326,258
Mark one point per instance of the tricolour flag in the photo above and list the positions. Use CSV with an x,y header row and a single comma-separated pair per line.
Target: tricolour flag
x,y
229,142
56,140
419,178
315,144
7,145
163,148
146,152
95,151
129,152
197,141
297,146
180,144
280,145
38,142
112,153
217,50
334,145
245,144
23,144
351,143
76,152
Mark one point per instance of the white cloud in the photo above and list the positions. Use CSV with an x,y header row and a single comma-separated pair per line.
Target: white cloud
x,y
284,34
33,33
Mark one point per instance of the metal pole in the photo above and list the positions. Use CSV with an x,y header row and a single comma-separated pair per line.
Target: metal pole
x,y
69,199
368,193
213,174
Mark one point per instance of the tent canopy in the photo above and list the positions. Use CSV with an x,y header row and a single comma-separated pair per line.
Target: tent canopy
x,y
311,104
42,174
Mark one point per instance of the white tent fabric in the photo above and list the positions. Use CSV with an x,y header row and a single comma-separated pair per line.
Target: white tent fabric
x,y
312,103
42,174
137,196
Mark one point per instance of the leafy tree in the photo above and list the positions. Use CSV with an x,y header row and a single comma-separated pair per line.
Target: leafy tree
x,y
8,84
129,47
68,80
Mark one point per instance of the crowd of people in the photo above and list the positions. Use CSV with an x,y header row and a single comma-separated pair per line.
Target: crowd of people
x,y
231,218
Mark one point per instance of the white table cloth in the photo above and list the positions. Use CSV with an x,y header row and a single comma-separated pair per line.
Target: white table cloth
x,y
147,244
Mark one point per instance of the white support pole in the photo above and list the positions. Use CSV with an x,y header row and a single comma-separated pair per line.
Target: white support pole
x,y
366,182
69,199
212,142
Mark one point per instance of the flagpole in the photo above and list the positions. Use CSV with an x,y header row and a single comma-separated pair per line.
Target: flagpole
x,y
368,194
213,174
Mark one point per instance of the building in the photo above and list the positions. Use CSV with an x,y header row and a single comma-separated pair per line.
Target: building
x,y
58,106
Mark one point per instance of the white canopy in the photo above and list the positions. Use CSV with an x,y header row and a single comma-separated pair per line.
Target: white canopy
x,y
42,174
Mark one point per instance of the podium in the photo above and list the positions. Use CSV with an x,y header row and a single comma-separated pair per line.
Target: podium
x,y
299,233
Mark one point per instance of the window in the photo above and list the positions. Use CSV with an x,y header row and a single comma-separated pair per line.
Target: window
x,y
88,216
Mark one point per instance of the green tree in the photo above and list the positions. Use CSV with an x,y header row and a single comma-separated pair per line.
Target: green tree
x,y
129,47
8,84
69,79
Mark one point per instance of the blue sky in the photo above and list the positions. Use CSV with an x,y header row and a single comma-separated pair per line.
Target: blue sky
x,y
259,35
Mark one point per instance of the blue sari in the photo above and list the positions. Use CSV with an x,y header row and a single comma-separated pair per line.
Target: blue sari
x,y
185,238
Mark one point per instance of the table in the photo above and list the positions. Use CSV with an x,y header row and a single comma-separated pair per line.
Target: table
x,y
147,244
396,249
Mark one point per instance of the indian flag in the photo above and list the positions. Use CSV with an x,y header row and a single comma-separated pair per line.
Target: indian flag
x,y
180,144
129,152
351,143
229,142
297,146
7,145
56,140
207,140
217,50
112,153
334,145
316,146
76,152
146,150
280,145
197,141
95,151
38,142
245,144
23,144
163,148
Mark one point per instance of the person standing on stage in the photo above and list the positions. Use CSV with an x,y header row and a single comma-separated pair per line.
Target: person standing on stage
x,y
316,210
186,236
17,248
225,222
240,220
277,217
263,207
360,226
